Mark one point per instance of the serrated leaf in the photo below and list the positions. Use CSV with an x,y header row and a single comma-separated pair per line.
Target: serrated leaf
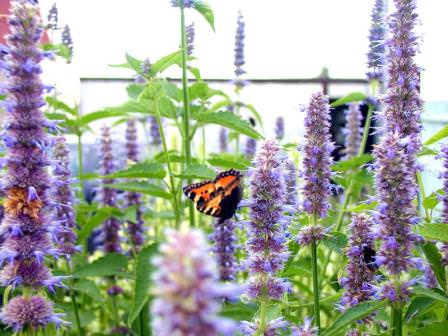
x,y
111,264
432,293
145,169
142,281
89,288
433,329
228,161
96,220
239,311
352,315
229,120
353,163
431,201
350,98
134,90
206,11
439,135
435,232
434,258
134,63
142,188
165,62
418,306
336,241
363,207
59,105
198,171
98,115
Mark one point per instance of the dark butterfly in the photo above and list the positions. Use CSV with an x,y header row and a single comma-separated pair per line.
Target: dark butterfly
x,y
369,258
217,198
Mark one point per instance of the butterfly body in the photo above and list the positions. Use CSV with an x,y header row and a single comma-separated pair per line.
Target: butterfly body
x,y
369,255
217,198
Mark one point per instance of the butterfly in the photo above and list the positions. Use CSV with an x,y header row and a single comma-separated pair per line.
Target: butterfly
x,y
217,198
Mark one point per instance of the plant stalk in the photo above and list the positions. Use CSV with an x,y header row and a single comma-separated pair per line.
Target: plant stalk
x,y
75,304
315,279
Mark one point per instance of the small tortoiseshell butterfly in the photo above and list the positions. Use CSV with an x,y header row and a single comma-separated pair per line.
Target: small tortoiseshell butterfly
x,y
217,198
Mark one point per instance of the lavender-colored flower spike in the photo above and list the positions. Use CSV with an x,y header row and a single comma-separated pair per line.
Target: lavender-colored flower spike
x,y
396,212
375,56
186,3
279,128
187,288
111,226
266,242
224,248
361,266
154,132
223,140
250,148
444,197
317,157
134,199
306,329
239,46
353,131
273,327
53,17
291,183
67,40
26,226
63,196
402,103
190,32
145,69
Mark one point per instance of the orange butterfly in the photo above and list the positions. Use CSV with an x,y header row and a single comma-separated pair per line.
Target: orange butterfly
x,y
217,198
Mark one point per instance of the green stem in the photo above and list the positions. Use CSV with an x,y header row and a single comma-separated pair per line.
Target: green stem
x,y
186,115
263,316
168,164
397,320
80,164
423,195
75,304
315,279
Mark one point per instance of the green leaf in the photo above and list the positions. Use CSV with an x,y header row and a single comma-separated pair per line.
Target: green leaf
x,y
255,113
144,169
418,306
228,161
96,220
352,315
59,49
98,115
363,207
433,293
165,62
134,90
336,241
142,282
142,188
239,311
426,151
229,120
434,258
433,329
89,288
206,11
431,201
353,163
198,171
111,264
441,134
59,105
134,63
350,98
435,232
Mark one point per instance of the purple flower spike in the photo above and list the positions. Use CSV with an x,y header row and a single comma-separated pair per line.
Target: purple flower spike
x,y
291,184
67,40
375,56
353,131
53,17
402,103
27,221
63,195
190,32
185,3
444,197
250,148
311,234
266,243
273,328
239,46
111,226
34,312
361,266
224,238
187,288
154,132
354,332
223,140
306,329
317,157
279,128
134,199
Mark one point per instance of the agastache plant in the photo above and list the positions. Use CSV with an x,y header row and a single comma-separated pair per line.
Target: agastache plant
x,y
353,131
377,35
135,229
63,195
266,242
239,60
444,197
279,128
53,17
190,32
223,140
67,40
224,239
187,288
291,184
28,224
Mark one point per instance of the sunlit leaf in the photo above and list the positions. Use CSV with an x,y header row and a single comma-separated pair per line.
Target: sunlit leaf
x,y
144,169
350,98
435,231
206,11
111,264
142,188
198,171
439,135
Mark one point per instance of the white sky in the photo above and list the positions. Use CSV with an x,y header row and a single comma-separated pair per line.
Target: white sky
x,y
285,38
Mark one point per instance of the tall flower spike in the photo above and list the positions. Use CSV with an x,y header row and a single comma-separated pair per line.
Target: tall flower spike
x,y
223,140
396,212
266,242
154,132
375,56
279,128
353,131
187,290
67,40
111,226
135,229
190,32
239,46
224,239
361,266
402,103
306,329
186,3
250,148
63,195
444,197
53,17
291,184
27,225
317,159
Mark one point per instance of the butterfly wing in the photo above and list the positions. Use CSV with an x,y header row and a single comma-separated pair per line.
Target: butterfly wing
x,y
200,193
